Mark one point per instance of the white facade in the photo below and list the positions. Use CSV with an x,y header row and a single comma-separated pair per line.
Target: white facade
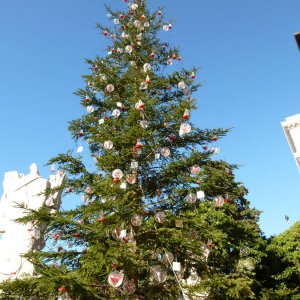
x,y
17,239
291,128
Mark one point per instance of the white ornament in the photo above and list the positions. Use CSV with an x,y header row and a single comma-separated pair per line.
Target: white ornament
x,y
215,150
123,186
143,86
110,88
116,113
185,128
165,27
140,105
146,24
115,279
116,21
79,149
108,145
200,195
117,173
165,151
101,121
137,23
170,61
134,165
102,77
90,109
191,198
128,49
176,266
144,124
181,85
134,6
147,67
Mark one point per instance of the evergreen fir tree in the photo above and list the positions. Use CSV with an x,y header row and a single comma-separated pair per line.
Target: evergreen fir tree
x,y
161,218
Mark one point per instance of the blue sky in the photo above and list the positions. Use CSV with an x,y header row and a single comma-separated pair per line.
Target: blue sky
x,y
250,69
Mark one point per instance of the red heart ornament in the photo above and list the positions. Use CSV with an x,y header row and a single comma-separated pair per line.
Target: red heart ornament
x,y
115,278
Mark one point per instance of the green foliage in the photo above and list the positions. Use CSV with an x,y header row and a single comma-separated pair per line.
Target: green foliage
x,y
281,273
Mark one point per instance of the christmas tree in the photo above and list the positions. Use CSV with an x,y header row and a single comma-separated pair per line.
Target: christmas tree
x,y
161,218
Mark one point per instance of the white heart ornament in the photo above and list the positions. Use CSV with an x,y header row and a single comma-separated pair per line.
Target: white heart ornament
x,y
115,279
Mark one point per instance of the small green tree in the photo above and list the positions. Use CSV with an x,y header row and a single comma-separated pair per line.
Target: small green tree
x,y
161,219
281,273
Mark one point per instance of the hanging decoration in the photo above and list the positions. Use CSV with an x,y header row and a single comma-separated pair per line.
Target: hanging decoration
x,y
160,217
158,273
115,279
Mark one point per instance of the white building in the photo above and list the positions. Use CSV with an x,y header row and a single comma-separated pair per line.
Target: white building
x,y
291,128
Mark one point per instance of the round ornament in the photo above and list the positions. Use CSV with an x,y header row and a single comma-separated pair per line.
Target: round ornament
x,y
116,113
139,36
170,62
134,6
89,190
117,173
146,67
181,85
110,88
195,169
152,55
144,124
79,149
191,198
108,145
146,24
128,49
137,23
219,201
136,220
158,273
165,151
160,217
102,77
116,21
123,186
166,28
168,258
185,128
115,279
90,109
144,85
129,287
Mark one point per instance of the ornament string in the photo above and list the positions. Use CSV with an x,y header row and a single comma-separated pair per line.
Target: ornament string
x,y
175,275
